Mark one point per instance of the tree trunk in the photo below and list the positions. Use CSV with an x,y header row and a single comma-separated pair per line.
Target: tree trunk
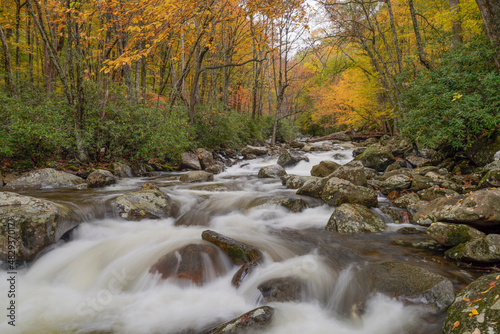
x,y
456,22
421,53
9,77
395,36
490,11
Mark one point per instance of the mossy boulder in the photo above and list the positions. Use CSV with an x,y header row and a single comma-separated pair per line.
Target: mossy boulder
x,y
295,181
406,200
412,283
313,187
476,308
47,178
491,179
434,192
479,250
395,183
100,178
354,218
271,172
148,203
353,172
376,158
324,168
28,225
337,192
483,151
450,235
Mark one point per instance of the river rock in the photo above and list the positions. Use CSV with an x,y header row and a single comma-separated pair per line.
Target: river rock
x,y
493,165
358,151
205,157
337,192
479,209
294,204
148,203
376,158
406,200
491,179
283,289
253,150
29,225
353,172
395,183
289,158
449,235
354,218
435,192
190,161
483,151
412,283
255,320
122,170
245,270
324,168
197,176
47,178
100,178
216,168
420,182
296,181
237,251
482,250
271,172
313,187
476,308
190,263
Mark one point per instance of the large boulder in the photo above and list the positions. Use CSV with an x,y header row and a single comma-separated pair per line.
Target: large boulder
x,y
190,263
313,187
253,150
47,178
216,168
295,181
148,203
190,161
206,158
483,151
479,250
376,158
337,192
479,209
283,289
28,225
324,168
255,320
354,218
353,172
289,158
491,179
271,172
412,283
395,183
237,251
100,178
449,235
476,308
197,176
122,170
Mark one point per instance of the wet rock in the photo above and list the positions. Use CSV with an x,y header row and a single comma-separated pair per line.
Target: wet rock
x,y
237,251
479,209
353,172
420,182
195,263
406,200
354,218
370,173
291,158
396,172
491,179
313,187
141,169
197,176
190,161
245,270
122,170
376,158
408,230
296,181
394,166
210,187
257,151
217,168
30,225
435,192
493,165
100,178
395,183
479,250
255,320
271,172
294,204
47,178
205,157
358,151
398,216
283,289
148,203
476,308
449,235
411,283
414,208
337,191
483,151
324,168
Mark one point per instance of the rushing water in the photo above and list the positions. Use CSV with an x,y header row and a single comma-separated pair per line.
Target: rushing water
x,y
98,280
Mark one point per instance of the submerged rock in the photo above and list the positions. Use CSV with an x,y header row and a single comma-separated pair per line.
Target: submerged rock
x,y
482,250
28,225
196,263
100,178
47,178
197,176
283,289
271,172
449,235
411,283
237,251
256,319
476,308
354,218
150,202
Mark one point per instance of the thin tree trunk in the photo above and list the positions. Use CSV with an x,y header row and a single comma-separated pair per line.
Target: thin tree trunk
x,y
8,64
421,53
395,36
490,11
456,22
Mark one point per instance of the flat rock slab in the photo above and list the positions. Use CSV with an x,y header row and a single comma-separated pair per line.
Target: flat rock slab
x,y
47,178
237,251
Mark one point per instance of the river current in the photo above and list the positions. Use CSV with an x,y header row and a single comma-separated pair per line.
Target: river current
x,y
97,280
